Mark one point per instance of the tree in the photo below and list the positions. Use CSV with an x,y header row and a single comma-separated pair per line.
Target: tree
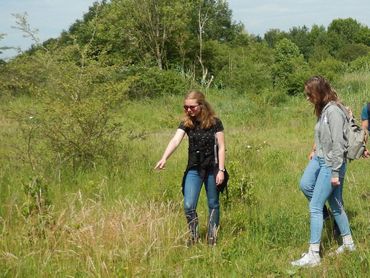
x,y
273,36
290,68
70,112
352,51
245,69
301,37
154,22
348,29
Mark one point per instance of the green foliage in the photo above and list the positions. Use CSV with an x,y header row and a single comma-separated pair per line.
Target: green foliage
x,y
273,36
273,97
78,123
220,26
290,68
162,33
330,68
361,64
350,52
348,29
38,201
319,53
74,106
22,75
86,116
37,208
152,82
127,220
241,186
246,69
300,36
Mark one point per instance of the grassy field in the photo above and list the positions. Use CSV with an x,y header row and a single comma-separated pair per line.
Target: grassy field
x,y
127,220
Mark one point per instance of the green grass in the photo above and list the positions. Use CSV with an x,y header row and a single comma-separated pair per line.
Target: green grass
x,y
123,219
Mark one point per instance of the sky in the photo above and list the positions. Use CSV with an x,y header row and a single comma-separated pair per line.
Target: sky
x,y
51,17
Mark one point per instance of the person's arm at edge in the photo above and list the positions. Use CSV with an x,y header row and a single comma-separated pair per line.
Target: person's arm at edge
x,y
365,126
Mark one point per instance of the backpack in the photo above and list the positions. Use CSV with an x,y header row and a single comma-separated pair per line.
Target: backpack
x,y
357,136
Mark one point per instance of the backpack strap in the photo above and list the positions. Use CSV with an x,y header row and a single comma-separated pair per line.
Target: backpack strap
x,y
345,111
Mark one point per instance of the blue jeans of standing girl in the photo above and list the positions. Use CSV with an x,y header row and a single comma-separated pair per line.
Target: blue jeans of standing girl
x,y
316,186
192,187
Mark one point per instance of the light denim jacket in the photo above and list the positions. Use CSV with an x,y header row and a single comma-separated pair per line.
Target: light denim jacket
x,y
331,138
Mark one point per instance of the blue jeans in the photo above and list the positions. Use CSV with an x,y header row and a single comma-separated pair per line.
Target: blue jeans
x,y
192,187
316,186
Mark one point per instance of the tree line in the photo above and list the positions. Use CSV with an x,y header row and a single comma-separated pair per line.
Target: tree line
x,y
198,40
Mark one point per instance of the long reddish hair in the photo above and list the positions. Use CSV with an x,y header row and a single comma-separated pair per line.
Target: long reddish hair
x,y
206,116
320,92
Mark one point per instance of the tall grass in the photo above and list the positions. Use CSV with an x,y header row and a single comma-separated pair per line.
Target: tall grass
x,y
122,219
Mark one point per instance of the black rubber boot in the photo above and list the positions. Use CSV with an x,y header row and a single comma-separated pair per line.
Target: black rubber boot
x,y
192,219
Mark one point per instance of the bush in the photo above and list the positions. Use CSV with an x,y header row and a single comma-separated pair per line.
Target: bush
x,y
274,97
290,69
152,82
350,52
248,69
73,116
360,64
330,68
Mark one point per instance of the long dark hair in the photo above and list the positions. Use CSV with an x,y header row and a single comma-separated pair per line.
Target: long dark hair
x,y
207,114
320,92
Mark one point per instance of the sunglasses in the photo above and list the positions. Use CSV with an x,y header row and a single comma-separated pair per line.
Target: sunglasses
x,y
191,107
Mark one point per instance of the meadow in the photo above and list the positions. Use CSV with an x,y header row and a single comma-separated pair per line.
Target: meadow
x,y
123,219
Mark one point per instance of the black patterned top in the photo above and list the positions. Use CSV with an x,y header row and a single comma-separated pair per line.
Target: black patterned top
x,y
201,144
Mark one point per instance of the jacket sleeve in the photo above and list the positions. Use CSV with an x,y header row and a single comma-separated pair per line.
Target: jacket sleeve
x,y
336,120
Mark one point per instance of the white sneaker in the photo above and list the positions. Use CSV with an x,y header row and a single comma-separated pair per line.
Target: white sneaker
x,y
345,247
309,259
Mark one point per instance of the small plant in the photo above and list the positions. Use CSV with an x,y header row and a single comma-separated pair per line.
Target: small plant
x,y
241,185
38,201
37,208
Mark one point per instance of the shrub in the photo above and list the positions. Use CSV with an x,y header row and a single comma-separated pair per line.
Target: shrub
x,y
152,82
73,115
361,64
350,52
330,68
247,70
290,69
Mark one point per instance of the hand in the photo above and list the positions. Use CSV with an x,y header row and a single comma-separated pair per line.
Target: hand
x,y
366,154
335,182
220,177
311,155
160,164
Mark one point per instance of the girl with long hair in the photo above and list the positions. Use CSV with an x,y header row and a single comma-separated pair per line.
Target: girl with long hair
x,y
323,178
203,129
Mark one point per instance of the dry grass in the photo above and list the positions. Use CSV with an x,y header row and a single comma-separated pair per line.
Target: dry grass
x,y
105,241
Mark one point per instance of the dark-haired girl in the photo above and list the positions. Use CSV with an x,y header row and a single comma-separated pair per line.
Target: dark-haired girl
x,y
323,178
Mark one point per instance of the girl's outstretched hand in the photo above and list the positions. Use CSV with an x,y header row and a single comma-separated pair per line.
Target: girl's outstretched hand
x,y
160,165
